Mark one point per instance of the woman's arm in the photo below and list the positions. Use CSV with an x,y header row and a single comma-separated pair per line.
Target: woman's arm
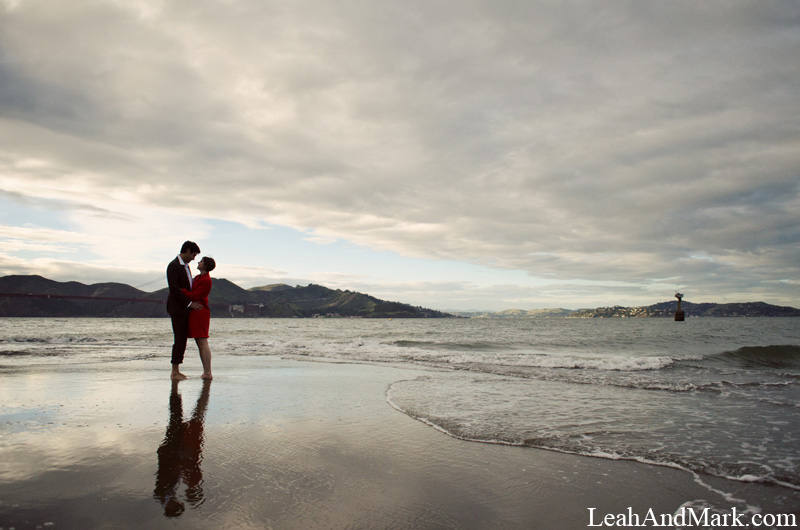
x,y
200,289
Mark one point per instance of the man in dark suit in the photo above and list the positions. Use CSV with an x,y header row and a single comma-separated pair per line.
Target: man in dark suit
x,y
179,276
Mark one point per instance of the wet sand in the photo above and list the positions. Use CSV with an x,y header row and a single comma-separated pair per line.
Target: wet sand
x,y
288,444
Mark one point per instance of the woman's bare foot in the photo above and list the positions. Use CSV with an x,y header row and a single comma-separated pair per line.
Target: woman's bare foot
x,y
177,376
205,357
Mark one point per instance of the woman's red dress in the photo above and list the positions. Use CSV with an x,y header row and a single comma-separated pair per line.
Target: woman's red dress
x,y
199,319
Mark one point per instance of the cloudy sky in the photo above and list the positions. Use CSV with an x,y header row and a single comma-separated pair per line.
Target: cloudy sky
x,y
455,154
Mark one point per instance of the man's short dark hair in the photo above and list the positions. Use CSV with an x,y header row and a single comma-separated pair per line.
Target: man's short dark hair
x,y
210,263
190,246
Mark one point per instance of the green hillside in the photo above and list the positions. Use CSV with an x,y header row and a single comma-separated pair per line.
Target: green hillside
x,y
35,296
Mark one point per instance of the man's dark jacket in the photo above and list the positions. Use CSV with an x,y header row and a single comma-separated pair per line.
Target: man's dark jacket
x,y
177,279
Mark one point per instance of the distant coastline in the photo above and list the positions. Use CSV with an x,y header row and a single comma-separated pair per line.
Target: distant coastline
x,y
36,296
660,310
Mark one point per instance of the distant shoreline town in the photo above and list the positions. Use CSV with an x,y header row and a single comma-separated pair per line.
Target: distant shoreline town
x,y
660,310
36,296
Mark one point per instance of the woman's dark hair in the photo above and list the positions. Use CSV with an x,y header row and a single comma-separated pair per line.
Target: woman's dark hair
x,y
210,263
190,246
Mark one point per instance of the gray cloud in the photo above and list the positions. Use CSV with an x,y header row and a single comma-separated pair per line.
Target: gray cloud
x,y
624,142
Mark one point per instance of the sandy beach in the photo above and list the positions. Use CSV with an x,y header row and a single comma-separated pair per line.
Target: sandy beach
x,y
274,443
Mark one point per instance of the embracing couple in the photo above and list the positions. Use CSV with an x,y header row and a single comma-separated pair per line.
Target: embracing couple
x,y
187,305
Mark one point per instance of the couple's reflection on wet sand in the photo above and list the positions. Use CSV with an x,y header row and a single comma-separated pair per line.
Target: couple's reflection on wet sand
x,y
180,455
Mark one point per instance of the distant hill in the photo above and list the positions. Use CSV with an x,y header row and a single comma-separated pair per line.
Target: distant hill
x,y
317,300
35,296
68,299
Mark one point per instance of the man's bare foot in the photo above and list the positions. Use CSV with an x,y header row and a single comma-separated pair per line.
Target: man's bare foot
x,y
177,376
207,376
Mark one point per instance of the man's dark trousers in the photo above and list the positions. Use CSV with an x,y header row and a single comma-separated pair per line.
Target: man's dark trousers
x,y
180,328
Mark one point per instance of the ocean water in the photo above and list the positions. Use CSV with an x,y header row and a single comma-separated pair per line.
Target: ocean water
x,y
712,396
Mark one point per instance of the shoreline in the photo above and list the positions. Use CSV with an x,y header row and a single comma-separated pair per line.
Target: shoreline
x,y
295,444
698,477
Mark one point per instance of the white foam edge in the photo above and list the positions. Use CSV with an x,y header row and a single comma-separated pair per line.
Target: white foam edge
x,y
728,497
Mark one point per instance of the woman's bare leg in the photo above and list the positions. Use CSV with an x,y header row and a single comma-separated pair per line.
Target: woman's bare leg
x,y
205,357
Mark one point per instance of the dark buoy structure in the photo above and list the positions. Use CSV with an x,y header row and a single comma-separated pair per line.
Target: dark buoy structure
x,y
679,314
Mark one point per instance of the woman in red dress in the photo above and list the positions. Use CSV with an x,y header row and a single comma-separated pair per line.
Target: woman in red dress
x,y
199,319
